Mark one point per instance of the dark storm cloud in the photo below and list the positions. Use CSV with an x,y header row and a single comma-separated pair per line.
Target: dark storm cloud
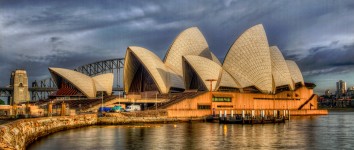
x,y
325,65
38,34
328,59
6,68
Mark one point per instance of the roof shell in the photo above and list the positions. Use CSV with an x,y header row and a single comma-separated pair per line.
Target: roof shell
x,y
295,72
130,68
82,82
104,82
162,75
208,69
226,80
280,70
248,60
214,58
205,68
189,42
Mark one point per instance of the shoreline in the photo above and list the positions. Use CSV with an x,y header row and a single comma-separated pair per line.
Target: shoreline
x,y
18,134
338,109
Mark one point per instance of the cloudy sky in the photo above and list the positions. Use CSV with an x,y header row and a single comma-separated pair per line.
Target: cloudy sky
x,y
35,35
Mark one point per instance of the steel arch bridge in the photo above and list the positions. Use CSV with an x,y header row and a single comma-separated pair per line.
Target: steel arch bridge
x,y
100,67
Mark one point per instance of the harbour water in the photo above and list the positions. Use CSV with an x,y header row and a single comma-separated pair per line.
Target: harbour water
x,y
333,131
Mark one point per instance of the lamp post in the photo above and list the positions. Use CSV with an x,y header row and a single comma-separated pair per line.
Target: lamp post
x,y
119,97
102,103
27,106
156,101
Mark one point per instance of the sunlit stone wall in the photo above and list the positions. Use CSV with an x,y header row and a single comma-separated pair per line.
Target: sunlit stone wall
x,y
20,133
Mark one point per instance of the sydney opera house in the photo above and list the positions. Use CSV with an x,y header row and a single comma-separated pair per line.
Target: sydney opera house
x,y
253,75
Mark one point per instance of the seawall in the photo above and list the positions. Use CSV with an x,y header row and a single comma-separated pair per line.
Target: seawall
x,y
18,134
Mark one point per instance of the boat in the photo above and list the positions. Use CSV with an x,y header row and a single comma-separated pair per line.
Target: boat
x,y
212,118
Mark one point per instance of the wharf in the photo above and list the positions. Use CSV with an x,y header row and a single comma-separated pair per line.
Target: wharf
x,y
250,118
247,120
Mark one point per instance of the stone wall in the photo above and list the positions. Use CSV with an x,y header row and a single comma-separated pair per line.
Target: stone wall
x,y
18,134
148,116
146,113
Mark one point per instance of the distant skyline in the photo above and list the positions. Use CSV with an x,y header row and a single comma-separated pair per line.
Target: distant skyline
x,y
38,34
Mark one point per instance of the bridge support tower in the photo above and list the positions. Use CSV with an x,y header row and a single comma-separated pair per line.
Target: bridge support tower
x,y
19,82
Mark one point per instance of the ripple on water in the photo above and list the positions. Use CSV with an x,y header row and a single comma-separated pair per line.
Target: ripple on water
x,y
334,131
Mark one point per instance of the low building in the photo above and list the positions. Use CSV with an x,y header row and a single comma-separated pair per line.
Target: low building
x,y
328,93
341,88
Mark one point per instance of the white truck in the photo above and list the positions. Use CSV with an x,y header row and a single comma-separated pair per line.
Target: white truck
x,y
132,108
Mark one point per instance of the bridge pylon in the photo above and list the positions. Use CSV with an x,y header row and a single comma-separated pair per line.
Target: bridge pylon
x,y
19,83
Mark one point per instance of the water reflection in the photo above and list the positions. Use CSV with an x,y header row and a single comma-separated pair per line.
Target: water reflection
x,y
335,131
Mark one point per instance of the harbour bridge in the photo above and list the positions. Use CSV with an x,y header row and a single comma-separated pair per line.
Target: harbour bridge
x,y
43,88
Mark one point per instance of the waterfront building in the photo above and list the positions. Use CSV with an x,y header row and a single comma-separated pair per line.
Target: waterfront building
x,y
341,88
253,75
328,93
350,92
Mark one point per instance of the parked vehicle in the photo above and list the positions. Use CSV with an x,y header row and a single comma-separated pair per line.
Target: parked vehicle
x,y
117,108
132,108
105,109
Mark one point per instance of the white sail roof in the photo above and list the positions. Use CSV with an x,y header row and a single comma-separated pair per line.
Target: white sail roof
x,y
280,70
163,76
189,42
104,82
82,82
248,60
205,69
226,80
295,72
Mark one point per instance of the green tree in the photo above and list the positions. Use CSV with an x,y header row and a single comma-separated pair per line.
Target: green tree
x,y
2,102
